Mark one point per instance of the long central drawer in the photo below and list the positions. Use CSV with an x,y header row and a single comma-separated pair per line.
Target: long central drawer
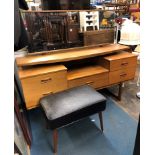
x,y
95,76
96,81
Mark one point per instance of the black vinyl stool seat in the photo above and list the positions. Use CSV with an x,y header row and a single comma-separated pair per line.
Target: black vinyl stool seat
x,y
71,105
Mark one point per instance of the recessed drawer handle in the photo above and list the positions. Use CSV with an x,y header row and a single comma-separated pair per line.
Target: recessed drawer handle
x,y
124,63
124,74
48,93
89,83
45,80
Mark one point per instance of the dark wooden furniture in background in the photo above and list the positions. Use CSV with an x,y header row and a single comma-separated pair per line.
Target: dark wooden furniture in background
x,y
98,37
49,30
98,66
60,29
65,4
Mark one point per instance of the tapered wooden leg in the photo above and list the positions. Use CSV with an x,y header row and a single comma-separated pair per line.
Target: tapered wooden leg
x,y
120,91
55,140
101,120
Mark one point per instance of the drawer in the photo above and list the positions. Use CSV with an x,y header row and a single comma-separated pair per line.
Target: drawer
x,y
122,75
123,63
36,87
96,81
120,61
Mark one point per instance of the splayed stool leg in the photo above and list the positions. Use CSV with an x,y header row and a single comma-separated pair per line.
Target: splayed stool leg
x,y
55,140
101,120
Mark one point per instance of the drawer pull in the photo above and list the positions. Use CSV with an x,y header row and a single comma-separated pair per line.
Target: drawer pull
x,y
89,83
45,80
123,74
48,93
124,63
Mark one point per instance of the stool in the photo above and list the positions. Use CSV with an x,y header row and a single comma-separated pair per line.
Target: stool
x,y
71,105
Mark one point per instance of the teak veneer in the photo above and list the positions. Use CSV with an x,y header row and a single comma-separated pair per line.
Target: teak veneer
x,y
69,54
97,66
85,71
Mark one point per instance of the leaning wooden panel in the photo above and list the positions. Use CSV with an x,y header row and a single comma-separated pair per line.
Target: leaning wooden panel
x,y
98,37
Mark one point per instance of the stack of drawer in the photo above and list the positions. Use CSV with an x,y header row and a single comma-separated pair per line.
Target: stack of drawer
x,y
89,19
122,66
41,81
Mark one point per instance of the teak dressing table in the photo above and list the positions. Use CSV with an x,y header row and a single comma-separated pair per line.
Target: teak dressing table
x,y
100,66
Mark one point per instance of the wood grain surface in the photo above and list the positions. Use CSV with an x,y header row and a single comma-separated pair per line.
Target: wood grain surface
x,y
69,54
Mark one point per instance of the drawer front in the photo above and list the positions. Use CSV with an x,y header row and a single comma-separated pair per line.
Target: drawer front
x,y
96,81
123,63
36,87
122,75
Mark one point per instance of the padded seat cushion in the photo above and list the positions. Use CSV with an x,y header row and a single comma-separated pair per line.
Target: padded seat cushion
x,y
75,101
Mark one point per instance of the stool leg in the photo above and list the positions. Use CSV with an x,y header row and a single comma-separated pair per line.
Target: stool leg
x,y
120,91
101,120
55,140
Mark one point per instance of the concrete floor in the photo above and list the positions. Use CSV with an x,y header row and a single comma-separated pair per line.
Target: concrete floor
x,y
129,102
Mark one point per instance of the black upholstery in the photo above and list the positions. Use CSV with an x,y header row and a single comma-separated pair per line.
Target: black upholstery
x,y
71,105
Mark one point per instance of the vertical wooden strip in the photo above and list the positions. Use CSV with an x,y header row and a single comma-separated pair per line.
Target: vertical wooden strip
x,y
55,140
101,120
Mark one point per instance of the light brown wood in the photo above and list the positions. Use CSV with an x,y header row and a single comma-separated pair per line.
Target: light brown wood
x,y
69,54
40,80
40,70
119,55
39,86
85,71
95,76
123,63
119,61
55,140
121,75
96,81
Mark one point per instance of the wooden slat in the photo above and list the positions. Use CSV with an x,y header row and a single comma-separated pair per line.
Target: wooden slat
x,y
118,56
70,54
98,37
85,71
35,71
